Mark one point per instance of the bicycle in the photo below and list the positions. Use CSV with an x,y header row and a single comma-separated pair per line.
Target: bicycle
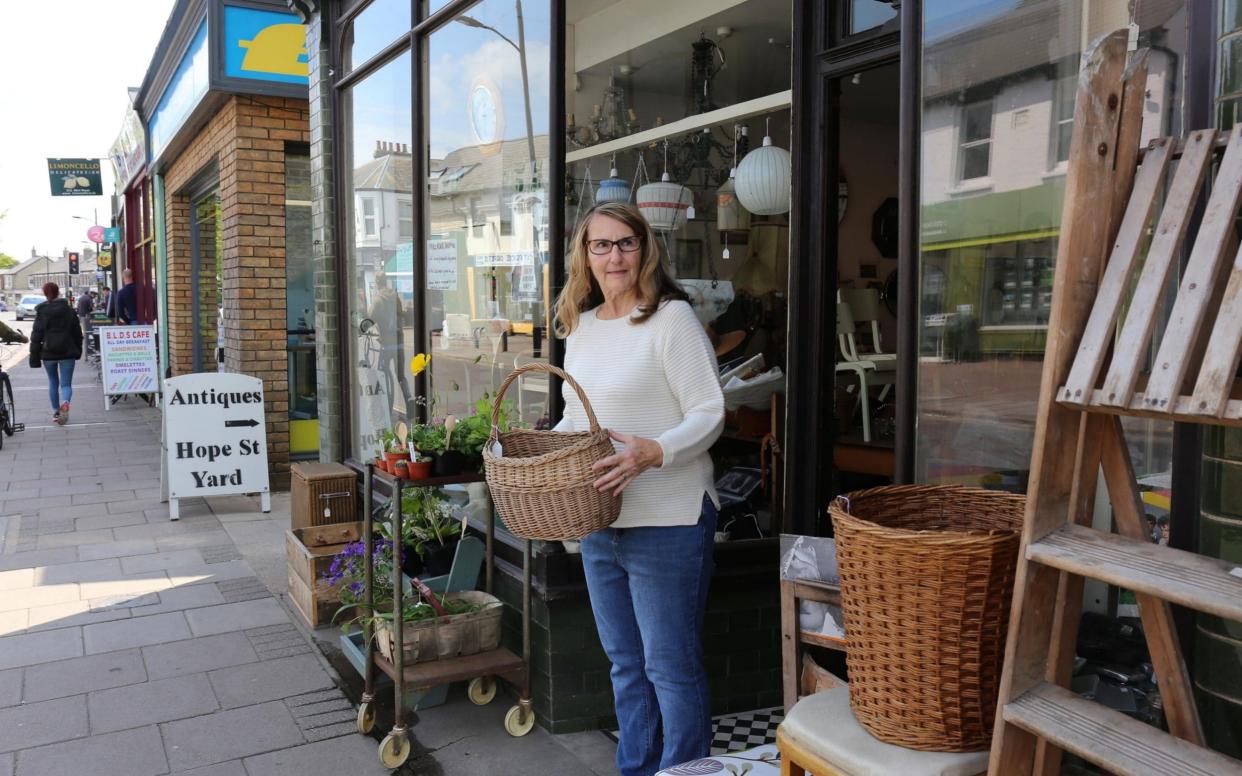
x,y
8,408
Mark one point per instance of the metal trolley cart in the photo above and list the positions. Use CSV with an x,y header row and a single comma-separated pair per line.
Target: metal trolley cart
x,y
481,669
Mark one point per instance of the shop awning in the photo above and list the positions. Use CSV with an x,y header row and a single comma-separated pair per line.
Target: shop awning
x,y
1022,214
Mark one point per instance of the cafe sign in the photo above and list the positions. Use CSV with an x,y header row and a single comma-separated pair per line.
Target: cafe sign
x,y
75,177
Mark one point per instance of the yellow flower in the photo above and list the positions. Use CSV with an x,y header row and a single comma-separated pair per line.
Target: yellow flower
x,y
418,363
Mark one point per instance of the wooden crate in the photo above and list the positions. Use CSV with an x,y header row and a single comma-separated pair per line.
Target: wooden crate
x,y
309,552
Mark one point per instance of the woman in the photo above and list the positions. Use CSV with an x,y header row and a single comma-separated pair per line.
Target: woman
x,y
56,340
641,355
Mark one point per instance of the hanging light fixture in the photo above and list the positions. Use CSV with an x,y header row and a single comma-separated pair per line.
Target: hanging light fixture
x,y
664,204
763,179
614,188
730,215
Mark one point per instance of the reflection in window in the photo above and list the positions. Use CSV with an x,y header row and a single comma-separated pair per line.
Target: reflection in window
x,y
869,14
379,262
1063,117
976,147
379,24
486,246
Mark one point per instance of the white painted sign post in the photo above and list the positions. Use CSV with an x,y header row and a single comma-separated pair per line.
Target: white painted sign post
x,y
128,361
215,437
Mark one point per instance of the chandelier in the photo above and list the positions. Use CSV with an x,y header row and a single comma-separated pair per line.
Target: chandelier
x,y
609,120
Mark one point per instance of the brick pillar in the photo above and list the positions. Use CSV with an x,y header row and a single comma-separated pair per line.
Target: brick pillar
x,y
323,246
177,248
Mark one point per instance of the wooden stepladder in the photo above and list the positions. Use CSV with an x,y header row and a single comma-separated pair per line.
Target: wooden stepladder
x,y
1110,204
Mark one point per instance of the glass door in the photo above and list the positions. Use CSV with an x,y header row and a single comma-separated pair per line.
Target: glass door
x,y
205,283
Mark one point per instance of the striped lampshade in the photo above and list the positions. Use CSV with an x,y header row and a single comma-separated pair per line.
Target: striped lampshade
x,y
763,180
664,204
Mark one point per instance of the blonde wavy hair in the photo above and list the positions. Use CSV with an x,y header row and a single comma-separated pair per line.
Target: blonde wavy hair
x,y
582,293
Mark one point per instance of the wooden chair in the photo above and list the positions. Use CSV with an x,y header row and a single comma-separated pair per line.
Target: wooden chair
x,y
1109,199
793,637
869,373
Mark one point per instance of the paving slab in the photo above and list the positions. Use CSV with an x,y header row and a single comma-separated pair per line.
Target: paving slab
x,y
136,752
82,571
6,764
109,521
212,572
239,616
116,549
10,687
268,681
69,614
71,512
228,735
33,558
200,654
192,540
177,598
27,649
136,585
105,496
230,768
84,674
39,596
354,755
162,700
135,632
35,724
75,539
17,578
14,622
161,561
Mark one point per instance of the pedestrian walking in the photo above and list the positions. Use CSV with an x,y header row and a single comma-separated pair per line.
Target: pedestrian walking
x,y
56,343
647,574
127,299
85,306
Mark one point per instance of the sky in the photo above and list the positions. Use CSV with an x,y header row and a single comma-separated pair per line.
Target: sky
x,y
66,66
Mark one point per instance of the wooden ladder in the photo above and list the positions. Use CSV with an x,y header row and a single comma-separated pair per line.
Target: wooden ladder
x,y
1110,199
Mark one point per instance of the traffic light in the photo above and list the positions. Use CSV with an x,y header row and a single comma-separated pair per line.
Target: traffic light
x,y
73,263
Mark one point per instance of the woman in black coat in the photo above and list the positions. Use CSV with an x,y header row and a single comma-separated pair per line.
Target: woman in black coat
x,y
56,341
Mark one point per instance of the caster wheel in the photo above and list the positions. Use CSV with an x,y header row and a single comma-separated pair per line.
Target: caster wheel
x,y
513,724
394,750
366,718
481,690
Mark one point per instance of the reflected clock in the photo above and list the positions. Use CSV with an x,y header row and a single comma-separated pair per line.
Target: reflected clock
x,y
486,115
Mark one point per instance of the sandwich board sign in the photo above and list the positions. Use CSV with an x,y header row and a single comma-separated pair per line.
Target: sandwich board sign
x,y
128,361
215,437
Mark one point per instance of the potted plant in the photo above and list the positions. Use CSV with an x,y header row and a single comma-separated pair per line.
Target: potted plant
x,y
394,450
403,471
419,466
432,527
473,432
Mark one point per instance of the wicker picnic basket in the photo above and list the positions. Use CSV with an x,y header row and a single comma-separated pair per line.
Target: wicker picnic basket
x,y
542,482
927,576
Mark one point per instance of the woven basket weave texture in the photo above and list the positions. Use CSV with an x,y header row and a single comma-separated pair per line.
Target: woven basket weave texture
x,y
542,482
927,576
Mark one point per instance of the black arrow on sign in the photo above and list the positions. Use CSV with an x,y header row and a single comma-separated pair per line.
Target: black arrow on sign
x,y
235,423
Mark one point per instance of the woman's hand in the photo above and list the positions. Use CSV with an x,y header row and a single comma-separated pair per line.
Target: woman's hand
x,y
637,456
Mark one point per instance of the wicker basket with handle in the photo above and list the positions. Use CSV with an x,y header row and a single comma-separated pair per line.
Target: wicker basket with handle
x,y
542,482
927,575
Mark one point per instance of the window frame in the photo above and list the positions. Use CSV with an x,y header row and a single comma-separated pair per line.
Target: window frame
x,y
964,145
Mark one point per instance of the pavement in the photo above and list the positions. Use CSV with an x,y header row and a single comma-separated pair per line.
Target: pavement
x,y
131,645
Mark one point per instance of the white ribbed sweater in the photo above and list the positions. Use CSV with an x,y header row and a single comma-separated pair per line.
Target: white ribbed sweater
x,y
657,379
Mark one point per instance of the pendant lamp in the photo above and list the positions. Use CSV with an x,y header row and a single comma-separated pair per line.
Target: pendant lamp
x,y
763,180
730,215
664,204
614,188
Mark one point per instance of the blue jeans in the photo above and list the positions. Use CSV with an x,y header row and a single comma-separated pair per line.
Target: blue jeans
x,y
59,381
648,590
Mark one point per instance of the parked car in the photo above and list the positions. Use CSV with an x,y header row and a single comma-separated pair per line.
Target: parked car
x,y
26,307
4,308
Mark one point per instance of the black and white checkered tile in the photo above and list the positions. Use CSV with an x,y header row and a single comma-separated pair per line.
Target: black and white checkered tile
x,y
739,732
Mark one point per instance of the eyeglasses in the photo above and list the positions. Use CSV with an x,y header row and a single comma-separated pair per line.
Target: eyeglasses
x,y
604,247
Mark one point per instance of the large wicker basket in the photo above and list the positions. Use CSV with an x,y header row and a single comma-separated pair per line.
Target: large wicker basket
x,y
927,575
542,482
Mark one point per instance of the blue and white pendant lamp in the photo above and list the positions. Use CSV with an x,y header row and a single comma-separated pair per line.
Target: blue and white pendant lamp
x,y
614,188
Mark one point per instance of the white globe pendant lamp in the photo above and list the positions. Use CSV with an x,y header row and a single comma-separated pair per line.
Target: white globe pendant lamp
x,y
763,180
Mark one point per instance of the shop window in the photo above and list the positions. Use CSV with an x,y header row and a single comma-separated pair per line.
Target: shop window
x,y
370,227
1017,288
372,30
300,308
975,154
1063,117
405,219
378,263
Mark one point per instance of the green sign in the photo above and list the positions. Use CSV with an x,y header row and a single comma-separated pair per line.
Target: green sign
x,y
75,177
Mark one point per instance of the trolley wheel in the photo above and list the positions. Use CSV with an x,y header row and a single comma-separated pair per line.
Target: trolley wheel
x,y
394,750
514,725
482,690
366,717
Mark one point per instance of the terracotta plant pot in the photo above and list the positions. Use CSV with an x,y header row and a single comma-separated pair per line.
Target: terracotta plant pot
x,y
419,470
401,470
392,458
381,464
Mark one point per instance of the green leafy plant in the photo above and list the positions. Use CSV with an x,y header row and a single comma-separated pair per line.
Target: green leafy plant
x,y
473,431
428,520
428,438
